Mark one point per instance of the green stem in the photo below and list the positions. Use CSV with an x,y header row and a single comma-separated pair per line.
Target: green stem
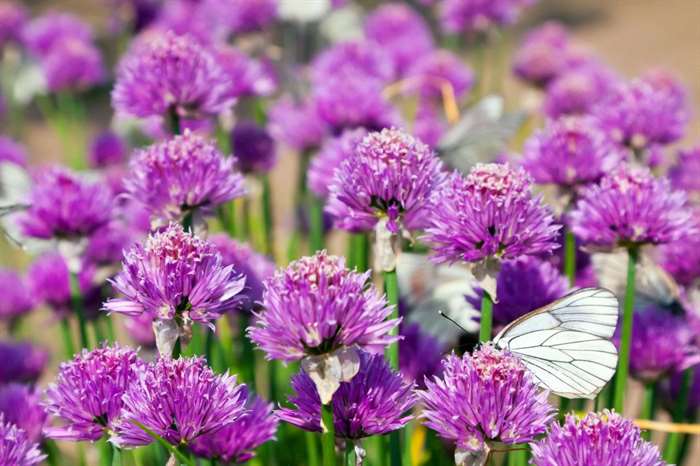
x,y
105,449
177,349
267,215
97,328
391,288
626,334
357,255
408,435
173,121
395,448
116,456
349,454
570,257
77,302
53,454
316,239
110,329
486,317
674,441
311,449
648,406
328,435
67,338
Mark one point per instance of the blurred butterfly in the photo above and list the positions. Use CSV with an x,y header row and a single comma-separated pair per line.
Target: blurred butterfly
x,y
566,344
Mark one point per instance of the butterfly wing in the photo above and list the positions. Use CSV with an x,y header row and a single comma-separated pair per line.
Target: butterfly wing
x,y
566,344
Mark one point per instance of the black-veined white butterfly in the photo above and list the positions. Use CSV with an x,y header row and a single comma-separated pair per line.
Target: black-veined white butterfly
x,y
566,344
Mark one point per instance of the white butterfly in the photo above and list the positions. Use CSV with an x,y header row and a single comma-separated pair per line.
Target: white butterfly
x,y
566,344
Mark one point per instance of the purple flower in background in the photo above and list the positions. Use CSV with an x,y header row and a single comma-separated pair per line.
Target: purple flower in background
x,y
72,65
296,124
12,151
170,75
578,90
374,402
316,305
16,449
86,397
107,244
107,149
685,173
570,151
21,362
359,59
254,148
681,259
249,77
490,214
331,155
390,174
645,111
543,54
465,16
631,207
180,400
429,126
523,285
20,404
16,300
49,30
251,15
599,438
420,354
439,68
175,275
670,391
485,396
65,206
181,175
236,443
401,32
12,20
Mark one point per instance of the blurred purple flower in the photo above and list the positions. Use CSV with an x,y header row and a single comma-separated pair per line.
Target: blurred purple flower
x,y
107,244
12,20
12,151
21,362
599,438
43,33
331,155
251,15
465,16
429,126
372,403
685,173
107,149
681,259
16,449
390,173
17,299
485,396
254,148
249,77
316,305
543,54
439,68
20,404
72,65
420,354
670,391
296,124
180,400
360,59
577,90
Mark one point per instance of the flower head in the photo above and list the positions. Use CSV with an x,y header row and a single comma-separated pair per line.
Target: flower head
x,y
478,15
372,403
65,206
236,443
296,124
87,395
576,91
685,174
185,173
631,207
180,400
171,74
107,149
570,151
72,65
440,68
47,31
16,300
175,275
12,20
331,155
251,77
254,148
251,15
543,54
11,151
681,259
490,214
21,362
485,396
390,174
315,306
599,438
15,446
361,59
21,406
420,354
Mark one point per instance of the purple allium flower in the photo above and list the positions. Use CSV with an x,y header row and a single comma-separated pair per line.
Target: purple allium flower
x,y
685,173
175,275
401,32
72,65
296,124
21,362
523,285
180,400
139,328
372,403
16,300
440,68
254,266
12,20
251,15
599,438
578,90
631,207
16,449
461,16
20,404
65,206
250,77
485,396
107,244
347,102
175,177
661,343
317,305
171,74
428,125
681,259
420,354
490,214
331,155
390,174
107,149
570,151
254,148
543,54
360,59
87,394
12,151
236,443
47,31
645,111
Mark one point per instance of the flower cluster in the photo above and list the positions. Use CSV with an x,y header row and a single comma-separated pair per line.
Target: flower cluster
x,y
477,16
15,446
331,155
21,362
17,299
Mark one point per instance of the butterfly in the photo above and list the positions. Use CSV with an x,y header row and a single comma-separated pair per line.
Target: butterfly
x,y
566,344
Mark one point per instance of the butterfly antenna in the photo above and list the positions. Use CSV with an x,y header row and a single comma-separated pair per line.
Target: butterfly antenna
x,y
452,320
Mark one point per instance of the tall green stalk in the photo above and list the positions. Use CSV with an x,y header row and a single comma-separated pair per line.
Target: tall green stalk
x,y
269,240
674,441
116,456
316,239
486,317
358,251
311,449
570,257
68,347
328,435
391,288
626,334
648,406
77,303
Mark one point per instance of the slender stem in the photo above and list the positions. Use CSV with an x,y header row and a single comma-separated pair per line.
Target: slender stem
x,y
173,121
105,452
267,215
97,328
116,456
177,349
68,346
391,288
110,329
53,454
328,435
77,302
395,448
316,236
674,441
408,436
648,406
349,454
359,250
626,334
311,449
486,317
570,257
